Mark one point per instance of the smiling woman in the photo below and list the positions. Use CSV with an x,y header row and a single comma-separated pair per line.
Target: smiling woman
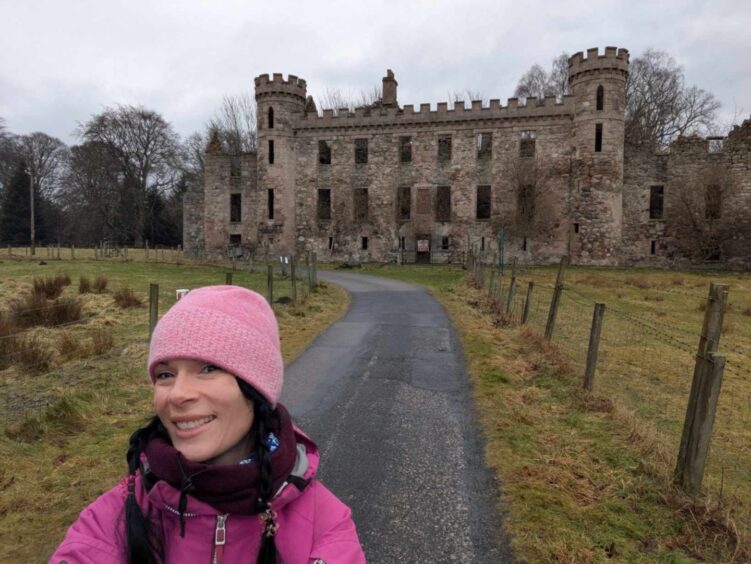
x,y
220,473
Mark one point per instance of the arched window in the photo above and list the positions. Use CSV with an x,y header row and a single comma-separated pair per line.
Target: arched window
x,y
271,116
600,97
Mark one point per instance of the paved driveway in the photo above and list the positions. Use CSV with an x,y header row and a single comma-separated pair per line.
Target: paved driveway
x,y
385,395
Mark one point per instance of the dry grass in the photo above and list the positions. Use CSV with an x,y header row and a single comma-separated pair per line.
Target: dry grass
x,y
50,288
125,298
77,345
84,285
639,282
35,309
100,284
31,353
747,311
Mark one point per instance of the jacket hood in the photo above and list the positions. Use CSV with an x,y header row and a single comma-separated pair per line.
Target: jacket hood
x,y
164,495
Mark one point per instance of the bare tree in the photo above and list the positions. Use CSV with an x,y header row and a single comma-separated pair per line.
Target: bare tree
x,y
146,149
538,83
334,99
235,122
659,105
464,96
45,159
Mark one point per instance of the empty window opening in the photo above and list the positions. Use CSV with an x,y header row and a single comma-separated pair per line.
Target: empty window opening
x,y
484,143
576,228
444,149
443,203
713,202
361,151
714,144
364,243
235,240
361,204
598,138
524,244
324,153
405,149
270,203
600,98
324,204
656,199
482,210
444,243
526,204
402,243
235,207
404,204
271,151
271,118
653,247
331,243
423,201
482,243
527,148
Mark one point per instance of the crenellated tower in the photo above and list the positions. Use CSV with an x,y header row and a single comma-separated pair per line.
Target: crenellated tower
x,y
598,86
280,103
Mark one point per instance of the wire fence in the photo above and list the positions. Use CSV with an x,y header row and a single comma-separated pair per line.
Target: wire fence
x,y
645,364
44,373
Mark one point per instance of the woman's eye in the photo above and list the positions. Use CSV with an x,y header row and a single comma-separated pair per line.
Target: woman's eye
x,y
209,368
163,375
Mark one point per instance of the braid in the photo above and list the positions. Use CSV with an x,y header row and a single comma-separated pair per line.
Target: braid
x,y
143,543
264,418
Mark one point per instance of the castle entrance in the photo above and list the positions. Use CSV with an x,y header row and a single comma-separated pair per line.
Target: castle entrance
x,y
423,249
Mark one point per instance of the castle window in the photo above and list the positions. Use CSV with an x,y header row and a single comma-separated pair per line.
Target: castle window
x,y
526,203
527,148
482,210
324,153
270,203
405,149
443,203
524,244
656,198
600,98
444,243
361,204
444,149
271,151
364,243
576,228
598,138
482,243
331,243
653,248
484,142
324,204
235,240
361,151
404,202
402,243
423,201
713,202
235,208
271,118
714,144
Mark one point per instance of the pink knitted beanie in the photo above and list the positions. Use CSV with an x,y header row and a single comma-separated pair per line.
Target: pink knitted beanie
x,y
228,326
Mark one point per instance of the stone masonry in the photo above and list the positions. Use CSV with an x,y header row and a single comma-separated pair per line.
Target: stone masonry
x,y
427,184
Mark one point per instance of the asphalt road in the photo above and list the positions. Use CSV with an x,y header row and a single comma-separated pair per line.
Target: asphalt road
x,y
385,395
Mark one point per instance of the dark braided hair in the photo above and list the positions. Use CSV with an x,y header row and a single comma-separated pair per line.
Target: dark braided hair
x,y
143,541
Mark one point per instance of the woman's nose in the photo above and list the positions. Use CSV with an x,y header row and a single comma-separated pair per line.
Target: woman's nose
x,y
182,389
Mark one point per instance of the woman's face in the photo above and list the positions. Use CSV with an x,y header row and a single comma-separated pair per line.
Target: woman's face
x,y
205,413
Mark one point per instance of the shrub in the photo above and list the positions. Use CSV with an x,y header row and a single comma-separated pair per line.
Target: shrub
x,y
100,284
63,310
84,285
35,309
50,288
7,340
32,354
101,342
124,297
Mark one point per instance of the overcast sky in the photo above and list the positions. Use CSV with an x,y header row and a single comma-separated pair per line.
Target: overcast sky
x,y
63,60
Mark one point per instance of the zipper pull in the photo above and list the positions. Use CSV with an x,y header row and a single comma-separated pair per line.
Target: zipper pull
x,y
220,538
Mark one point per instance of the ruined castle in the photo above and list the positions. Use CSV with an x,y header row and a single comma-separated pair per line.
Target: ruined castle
x,y
544,178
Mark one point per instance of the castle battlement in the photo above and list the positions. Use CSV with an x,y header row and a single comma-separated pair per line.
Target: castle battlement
x,y
277,85
426,113
614,59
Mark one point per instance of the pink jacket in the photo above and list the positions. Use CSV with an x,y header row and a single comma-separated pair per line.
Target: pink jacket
x,y
314,526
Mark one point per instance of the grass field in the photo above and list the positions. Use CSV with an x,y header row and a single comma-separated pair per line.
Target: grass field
x,y
66,425
586,476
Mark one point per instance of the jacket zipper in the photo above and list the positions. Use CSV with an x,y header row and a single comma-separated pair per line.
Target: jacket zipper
x,y
220,538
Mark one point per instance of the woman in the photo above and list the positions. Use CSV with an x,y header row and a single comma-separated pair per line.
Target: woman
x,y
220,474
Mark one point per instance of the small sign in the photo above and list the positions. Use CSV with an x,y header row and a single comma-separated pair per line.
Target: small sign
x,y
181,293
423,246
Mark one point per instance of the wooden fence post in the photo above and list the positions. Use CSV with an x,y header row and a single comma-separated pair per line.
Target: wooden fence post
x,y
293,277
594,345
527,301
153,307
512,286
315,269
702,401
270,282
228,278
556,300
